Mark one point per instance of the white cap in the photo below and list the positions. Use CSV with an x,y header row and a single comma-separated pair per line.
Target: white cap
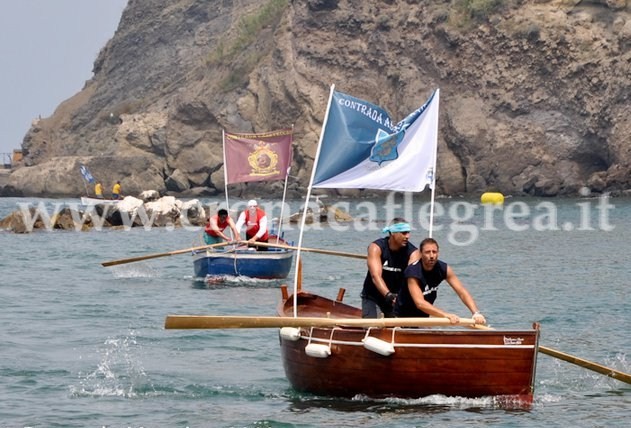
x,y
252,203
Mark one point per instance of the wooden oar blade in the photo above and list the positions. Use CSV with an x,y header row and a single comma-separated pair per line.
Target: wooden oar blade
x,y
133,259
221,322
607,371
166,254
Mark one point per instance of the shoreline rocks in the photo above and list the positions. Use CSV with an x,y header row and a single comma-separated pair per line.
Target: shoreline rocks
x,y
129,212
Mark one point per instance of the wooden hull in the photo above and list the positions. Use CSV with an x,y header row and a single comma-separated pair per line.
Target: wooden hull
x,y
450,361
273,264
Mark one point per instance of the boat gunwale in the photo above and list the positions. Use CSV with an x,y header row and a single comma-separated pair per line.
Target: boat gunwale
x,y
271,255
416,345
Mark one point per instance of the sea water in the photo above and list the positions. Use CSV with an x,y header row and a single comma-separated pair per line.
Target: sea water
x,y
84,346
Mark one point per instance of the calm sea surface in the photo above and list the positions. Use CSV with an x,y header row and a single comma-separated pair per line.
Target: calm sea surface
x,y
84,346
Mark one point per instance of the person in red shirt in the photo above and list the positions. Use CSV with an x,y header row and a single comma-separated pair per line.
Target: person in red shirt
x,y
217,224
255,221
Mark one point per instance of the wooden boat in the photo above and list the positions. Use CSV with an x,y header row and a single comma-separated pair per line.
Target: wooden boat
x,y
328,349
403,362
275,263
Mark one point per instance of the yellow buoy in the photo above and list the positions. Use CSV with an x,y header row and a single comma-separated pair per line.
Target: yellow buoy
x,y
492,198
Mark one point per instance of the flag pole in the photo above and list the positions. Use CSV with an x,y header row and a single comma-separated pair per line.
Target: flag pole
x,y
85,184
304,211
282,207
431,204
225,174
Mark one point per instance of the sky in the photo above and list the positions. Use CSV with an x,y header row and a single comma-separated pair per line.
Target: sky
x,y
47,50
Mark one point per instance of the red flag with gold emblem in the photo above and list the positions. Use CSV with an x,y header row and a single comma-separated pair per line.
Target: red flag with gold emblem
x,y
257,157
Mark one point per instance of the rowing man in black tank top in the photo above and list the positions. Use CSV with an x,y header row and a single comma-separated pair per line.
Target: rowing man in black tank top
x,y
423,275
387,259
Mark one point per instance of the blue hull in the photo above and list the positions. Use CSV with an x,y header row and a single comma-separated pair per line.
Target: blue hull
x,y
273,264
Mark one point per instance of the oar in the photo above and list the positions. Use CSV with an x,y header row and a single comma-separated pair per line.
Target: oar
x,y
157,255
217,322
590,365
309,250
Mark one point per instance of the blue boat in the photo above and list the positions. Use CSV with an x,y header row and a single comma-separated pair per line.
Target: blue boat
x,y
272,264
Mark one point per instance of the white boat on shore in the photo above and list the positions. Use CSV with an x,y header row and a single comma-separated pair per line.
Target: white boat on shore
x,y
87,201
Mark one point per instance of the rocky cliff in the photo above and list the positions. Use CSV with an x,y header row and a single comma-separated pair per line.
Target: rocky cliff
x,y
535,95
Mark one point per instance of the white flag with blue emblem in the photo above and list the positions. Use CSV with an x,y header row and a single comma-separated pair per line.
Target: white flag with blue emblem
x,y
362,149
86,174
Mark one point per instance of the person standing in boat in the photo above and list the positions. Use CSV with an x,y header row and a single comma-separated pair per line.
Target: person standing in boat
x,y
98,190
424,274
255,221
116,190
387,259
214,231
